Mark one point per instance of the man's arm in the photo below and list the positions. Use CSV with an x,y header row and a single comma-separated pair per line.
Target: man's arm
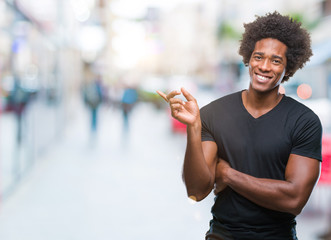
x,y
199,166
290,195
201,157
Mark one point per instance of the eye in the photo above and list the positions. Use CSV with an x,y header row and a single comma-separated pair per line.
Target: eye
x,y
277,61
257,57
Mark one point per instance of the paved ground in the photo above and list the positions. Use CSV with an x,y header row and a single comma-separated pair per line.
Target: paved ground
x,y
119,185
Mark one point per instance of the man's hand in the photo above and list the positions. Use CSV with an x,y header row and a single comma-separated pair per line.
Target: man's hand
x,y
185,112
221,168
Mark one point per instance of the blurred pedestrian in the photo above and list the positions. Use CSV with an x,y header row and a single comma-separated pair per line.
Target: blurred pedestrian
x,y
129,99
17,101
260,148
93,97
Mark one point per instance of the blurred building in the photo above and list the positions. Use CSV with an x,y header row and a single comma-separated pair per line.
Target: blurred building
x,y
162,39
318,73
40,69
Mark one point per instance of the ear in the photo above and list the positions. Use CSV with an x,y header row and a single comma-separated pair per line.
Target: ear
x,y
285,76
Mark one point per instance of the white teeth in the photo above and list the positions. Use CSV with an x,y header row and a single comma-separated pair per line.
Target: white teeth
x,y
261,78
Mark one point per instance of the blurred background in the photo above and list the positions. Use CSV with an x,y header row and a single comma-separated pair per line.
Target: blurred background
x,y
87,148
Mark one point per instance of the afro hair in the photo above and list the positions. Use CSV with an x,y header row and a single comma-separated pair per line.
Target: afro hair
x,y
284,29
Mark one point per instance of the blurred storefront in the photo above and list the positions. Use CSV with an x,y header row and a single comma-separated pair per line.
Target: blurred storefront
x,y
36,81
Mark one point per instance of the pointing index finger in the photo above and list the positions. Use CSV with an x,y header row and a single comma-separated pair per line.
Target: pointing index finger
x,y
173,94
163,95
169,96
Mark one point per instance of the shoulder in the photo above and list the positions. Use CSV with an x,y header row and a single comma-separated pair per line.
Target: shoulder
x,y
299,110
224,101
302,117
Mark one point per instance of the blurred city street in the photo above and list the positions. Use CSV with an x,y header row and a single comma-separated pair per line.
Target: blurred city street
x,y
88,150
123,185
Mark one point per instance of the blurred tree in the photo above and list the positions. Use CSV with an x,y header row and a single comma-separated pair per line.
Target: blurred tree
x,y
307,23
227,31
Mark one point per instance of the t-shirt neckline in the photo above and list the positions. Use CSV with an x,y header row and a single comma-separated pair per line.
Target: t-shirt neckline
x,y
264,115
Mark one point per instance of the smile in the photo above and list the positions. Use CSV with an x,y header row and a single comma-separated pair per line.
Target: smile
x,y
262,78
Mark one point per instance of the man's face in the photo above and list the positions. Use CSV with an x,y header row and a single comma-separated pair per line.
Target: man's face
x,y
267,65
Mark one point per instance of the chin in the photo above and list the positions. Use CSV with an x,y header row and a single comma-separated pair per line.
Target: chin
x,y
263,89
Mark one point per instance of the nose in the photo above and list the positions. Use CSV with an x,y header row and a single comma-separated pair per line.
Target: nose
x,y
265,65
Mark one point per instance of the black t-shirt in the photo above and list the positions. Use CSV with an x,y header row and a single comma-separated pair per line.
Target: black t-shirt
x,y
259,147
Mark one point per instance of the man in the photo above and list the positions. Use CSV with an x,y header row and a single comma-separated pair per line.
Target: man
x,y
260,147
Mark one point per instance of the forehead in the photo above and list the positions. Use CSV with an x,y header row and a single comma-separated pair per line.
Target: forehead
x,y
270,46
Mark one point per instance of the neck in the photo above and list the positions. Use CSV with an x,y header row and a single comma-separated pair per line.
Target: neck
x,y
257,103
261,100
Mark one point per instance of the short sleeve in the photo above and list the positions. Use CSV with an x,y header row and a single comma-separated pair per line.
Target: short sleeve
x,y
307,137
206,133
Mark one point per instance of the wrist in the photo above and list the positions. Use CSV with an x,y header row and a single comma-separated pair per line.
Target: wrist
x,y
228,174
195,127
